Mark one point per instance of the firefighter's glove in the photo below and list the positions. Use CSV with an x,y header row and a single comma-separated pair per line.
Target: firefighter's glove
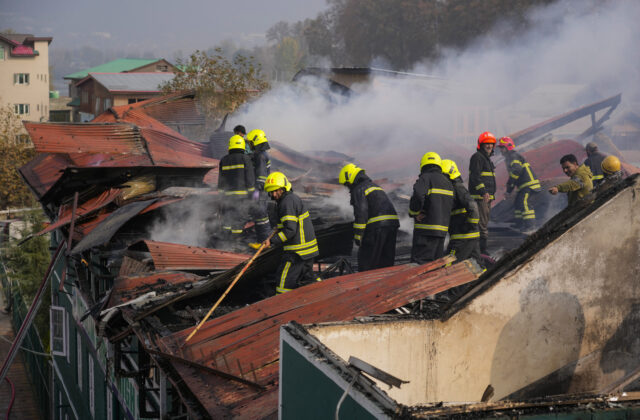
x,y
256,195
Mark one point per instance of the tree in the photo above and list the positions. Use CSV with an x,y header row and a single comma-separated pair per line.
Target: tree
x,y
220,83
288,57
15,151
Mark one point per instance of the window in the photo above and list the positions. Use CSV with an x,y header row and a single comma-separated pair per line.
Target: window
x,y
162,67
22,139
20,78
97,106
92,397
21,109
107,103
79,359
58,331
1,53
85,97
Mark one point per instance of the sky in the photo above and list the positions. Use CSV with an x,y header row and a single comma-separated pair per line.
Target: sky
x,y
152,24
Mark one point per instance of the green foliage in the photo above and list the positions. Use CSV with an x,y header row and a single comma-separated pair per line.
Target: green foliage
x,y
27,264
13,191
220,83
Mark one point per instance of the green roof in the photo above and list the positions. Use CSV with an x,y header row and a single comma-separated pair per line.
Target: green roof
x,y
115,66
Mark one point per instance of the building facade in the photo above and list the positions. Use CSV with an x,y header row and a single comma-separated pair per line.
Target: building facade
x,y
24,75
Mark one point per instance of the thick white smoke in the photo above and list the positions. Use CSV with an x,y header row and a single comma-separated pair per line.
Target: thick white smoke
x,y
574,53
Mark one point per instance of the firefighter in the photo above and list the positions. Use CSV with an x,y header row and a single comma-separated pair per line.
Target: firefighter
x,y
295,232
430,206
262,166
376,221
242,132
594,162
612,172
236,181
482,183
522,178
580,183
464,236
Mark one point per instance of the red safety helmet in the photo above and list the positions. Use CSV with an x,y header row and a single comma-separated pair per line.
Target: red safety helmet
x,y
486,137
506,142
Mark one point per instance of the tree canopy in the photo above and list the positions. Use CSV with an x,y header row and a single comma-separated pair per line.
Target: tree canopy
x,y
222,84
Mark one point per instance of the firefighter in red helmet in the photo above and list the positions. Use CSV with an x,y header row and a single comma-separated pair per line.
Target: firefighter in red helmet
x,y
482,183
523,179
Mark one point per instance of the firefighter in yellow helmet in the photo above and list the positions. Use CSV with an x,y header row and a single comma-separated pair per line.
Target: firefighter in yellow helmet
x,y
376,221
482,183
295,233
464,236
612,173
236,182
259,145
430,206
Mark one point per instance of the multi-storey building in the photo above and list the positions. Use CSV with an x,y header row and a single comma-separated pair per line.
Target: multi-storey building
x,y
24,75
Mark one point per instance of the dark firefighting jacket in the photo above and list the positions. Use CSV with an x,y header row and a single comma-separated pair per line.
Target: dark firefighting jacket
x,y
482,177
594,162
295,230
433,197
465,215
521,175
261,164
236,178
371,206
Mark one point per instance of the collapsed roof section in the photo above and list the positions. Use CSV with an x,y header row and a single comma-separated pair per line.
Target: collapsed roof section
x,y
558,316
244,344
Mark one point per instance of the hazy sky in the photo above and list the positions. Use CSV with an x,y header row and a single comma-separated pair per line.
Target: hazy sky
x,y
152,24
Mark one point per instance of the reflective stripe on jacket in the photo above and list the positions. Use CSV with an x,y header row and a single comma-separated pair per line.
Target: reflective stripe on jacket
x,y
433,197
465,215
482,178
521,175
371,206
295,230
236,174
262,165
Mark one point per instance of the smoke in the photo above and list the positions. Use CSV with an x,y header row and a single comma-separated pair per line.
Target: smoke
x,y
189,222
573,53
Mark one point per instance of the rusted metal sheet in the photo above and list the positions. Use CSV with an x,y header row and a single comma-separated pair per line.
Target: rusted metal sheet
x,y
130,287
105,231
43,171
84,209
85,138
245,342
169,150
169,256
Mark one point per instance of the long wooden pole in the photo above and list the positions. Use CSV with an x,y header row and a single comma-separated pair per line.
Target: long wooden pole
x,y
262,247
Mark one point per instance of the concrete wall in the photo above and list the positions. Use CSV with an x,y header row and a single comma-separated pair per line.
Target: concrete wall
x,y
36,93
565,321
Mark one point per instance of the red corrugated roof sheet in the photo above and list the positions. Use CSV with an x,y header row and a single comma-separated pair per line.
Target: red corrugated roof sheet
x,y
85,138
169,256
83,209
131,287
245,342
43,171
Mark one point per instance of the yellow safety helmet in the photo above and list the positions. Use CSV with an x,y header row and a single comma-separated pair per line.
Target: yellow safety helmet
x,y
275,181
236,142
610,165
348,173
431,158
256,137
450,168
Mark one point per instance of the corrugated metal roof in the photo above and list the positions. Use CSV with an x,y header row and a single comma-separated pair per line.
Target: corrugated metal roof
x,y
245,342
85,138
43,171
132,82
115,66
84,209
170,256
130,287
